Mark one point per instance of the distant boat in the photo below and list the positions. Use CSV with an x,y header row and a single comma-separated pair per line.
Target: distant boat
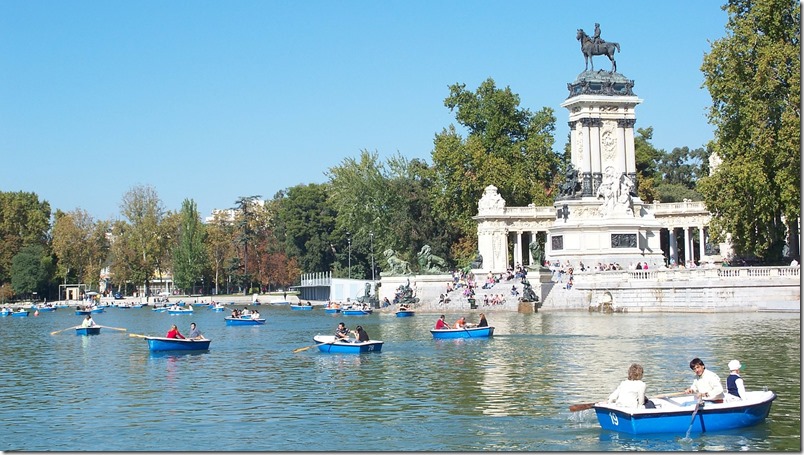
x,y
20,314
301,307
244,321
676,415
355,312
327,343
96,310
87,330
43,308
5,312
177,310
332,310
405,313
469,332
82,312
176,344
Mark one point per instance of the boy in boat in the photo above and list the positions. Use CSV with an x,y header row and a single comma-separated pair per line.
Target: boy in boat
x,y
341,333
706,385
88,322
195,334
441,324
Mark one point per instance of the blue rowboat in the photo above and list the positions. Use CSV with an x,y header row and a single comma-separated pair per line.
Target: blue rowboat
x,y
160,309
42,309
332,310
244,321
674,415
405,313
82,312
301,307
176,344
87,330
96,310
188,310
217,308
469,332
327,343
20,314
5,313
353,312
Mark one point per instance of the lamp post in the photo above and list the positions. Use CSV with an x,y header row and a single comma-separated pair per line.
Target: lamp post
x,y
371,237
349,240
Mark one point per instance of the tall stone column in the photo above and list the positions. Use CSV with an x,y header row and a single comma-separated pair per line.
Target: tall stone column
x,y
673,244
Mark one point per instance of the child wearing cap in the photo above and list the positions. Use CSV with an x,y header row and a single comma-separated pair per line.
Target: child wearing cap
x,y
734,383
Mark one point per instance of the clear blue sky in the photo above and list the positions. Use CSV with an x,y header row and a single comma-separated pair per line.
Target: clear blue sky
x,y
213,100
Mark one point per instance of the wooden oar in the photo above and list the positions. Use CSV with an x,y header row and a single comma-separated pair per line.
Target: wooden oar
x,y
137,335
312,346
698,404
112,328
584,406
62,330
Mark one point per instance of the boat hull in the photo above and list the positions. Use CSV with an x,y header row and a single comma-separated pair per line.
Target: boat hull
x,y
82,312
474,332
301,307
355,312
244,321
20,314
675,416
176,344
332,310
327,344
180,311
87,330
405,314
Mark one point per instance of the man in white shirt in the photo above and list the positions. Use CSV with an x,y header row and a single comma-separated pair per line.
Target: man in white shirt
x,y
707,385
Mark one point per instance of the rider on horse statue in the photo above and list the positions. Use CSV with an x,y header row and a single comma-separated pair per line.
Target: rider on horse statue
x,y
596,38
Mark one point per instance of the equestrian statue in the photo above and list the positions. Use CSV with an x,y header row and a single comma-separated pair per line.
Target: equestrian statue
x,y
596,46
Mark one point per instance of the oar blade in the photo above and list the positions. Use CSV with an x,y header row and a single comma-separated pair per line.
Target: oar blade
x,y
136,335
581,407
303,349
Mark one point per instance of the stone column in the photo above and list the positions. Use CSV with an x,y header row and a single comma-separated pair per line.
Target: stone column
x,y
673,244
701,242
518,249
688,253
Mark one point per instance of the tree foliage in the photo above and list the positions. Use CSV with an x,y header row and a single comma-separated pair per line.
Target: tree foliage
x,y
507,146
81,246
24,221
189,257
754,78
31,270
137,243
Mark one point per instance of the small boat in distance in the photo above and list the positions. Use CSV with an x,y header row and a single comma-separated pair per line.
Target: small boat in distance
x,y
468,332
20,313
179,310
327,343
674,415
405,313
306,307
176,344
244,321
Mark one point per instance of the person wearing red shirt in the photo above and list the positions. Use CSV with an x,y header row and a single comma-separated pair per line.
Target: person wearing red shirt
x,y
440,324
174,332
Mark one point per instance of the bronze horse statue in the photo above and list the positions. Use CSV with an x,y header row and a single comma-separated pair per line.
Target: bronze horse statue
x,y
589,48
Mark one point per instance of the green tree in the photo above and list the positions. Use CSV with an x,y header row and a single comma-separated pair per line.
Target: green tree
x,y
138,241
189,257
754,78
245,223
24,221
304,223
507,146
80,244
646,157
31,270
220,245
679,172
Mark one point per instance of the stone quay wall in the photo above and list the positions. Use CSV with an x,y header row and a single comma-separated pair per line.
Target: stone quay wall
x,y
727,289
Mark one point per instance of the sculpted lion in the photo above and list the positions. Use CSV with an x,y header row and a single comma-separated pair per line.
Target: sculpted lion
x,y
396,266
428,262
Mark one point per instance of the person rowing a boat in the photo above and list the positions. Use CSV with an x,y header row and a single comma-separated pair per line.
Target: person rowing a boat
x,y
88,322
195,334
706,385
631,392
174,333
441,324
341,333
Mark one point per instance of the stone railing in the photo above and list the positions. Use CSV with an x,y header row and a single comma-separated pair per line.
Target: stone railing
x,y
689,274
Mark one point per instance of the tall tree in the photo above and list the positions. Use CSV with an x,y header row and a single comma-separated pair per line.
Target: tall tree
x,y
24,221
189,257
80,245
140,237
31,270
754,78
507,146
244,220
305,222
220,244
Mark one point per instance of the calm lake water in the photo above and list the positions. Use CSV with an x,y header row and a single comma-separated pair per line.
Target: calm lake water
x,y
250,392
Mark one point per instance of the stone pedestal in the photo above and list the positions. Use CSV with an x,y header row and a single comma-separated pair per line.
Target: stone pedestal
x,y
427,288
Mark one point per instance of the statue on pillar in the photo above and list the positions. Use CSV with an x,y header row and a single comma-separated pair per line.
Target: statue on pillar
x,y
571,183
591,46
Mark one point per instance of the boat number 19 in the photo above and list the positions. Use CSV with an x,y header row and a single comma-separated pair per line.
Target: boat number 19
x,y
614,420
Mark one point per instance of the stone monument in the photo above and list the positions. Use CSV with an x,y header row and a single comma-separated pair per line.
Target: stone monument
x,y
599,217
